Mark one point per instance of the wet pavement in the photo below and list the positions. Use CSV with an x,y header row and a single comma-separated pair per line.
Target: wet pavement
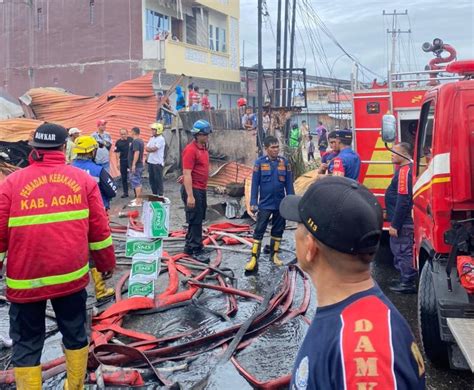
x,y
269,356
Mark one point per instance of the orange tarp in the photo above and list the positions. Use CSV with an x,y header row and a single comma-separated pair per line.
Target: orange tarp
x,y
131,103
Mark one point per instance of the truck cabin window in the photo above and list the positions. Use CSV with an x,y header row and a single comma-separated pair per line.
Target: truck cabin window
x,y
425,136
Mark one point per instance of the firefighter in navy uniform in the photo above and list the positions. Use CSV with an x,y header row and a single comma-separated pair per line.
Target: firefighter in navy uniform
x,y
51,220
85,148
271,182
357,338
399,204
347,162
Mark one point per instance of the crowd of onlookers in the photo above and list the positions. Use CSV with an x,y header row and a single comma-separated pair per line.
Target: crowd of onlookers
x,y
130,152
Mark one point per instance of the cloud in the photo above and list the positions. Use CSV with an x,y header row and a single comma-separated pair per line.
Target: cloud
x,y
360,28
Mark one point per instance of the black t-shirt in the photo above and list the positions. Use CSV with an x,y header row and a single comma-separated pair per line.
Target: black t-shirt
x,y
122,146
137,145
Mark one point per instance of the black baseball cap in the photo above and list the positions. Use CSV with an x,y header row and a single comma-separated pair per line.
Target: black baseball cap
x,y
340,212
344,134
48,136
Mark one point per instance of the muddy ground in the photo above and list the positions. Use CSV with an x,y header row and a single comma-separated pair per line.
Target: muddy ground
x,y
272,354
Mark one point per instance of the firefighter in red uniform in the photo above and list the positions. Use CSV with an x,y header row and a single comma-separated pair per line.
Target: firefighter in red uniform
x,y
51,218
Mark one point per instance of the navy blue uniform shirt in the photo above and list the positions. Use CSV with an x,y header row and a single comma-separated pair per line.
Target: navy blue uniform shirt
x,y
362,342
271,182
347,164
399,198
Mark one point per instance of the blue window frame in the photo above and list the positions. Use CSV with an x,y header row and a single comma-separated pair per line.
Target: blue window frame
x,y
156,23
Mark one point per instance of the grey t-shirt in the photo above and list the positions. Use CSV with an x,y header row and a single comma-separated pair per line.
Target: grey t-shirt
x,y
137,145
103,152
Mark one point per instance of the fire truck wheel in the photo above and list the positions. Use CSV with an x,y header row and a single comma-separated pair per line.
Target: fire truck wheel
x,y
436,350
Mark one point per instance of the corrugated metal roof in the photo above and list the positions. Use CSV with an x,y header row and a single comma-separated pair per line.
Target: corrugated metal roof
x,y
131,103
14,130
229,173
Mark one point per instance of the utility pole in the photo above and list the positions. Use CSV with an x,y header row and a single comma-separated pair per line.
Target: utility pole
x,y
278,57
394,31
292,46
260,83
285,45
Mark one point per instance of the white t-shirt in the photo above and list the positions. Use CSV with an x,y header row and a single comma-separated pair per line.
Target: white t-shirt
x,y
157,157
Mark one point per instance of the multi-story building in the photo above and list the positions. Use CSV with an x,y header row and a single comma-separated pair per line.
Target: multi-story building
x,y
88,46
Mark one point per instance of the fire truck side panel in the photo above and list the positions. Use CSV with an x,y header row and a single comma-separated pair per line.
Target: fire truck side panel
x,y
432,192
462,156
369,108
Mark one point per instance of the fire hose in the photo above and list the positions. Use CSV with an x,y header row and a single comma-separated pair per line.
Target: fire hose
x,y
149,350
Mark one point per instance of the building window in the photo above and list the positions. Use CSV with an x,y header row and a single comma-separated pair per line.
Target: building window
x,y
217,39
39,19
91,11
156,25
211,37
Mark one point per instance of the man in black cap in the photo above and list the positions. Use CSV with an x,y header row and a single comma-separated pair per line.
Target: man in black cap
x,y
358,339
51,220
347,162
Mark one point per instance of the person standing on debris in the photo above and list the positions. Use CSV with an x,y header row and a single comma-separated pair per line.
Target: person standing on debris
x,y
105,143
304,133
180,100
121,152
248,120
323,142
399,204
241,105
347,162
51,220
295,136
85,149
310,148
195,158
318,130
357,339
195,99
156,158
327,157
205,103
135,164
271,181
73,132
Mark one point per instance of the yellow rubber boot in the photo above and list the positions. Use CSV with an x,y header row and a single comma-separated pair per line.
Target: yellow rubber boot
x,y
101,292
28,378
274,249
76,368
252,263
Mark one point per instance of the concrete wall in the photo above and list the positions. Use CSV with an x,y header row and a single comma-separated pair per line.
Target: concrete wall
x,y
237,145
69,44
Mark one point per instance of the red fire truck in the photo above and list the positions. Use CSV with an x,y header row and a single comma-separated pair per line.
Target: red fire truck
x,y
402,97
443,196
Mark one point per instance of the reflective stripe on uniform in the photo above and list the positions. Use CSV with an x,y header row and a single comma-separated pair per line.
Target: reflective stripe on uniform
x,y
2,256
40,219
96,246
27,284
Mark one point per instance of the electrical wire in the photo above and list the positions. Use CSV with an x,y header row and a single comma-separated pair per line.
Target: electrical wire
x,y
312,14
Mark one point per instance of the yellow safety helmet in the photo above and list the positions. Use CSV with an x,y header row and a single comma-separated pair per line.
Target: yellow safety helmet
x,y
85,144
158,127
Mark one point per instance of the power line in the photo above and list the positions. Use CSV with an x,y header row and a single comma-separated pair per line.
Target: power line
x,y
312,14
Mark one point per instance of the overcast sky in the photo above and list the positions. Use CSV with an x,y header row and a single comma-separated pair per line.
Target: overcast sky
x,y
360,28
